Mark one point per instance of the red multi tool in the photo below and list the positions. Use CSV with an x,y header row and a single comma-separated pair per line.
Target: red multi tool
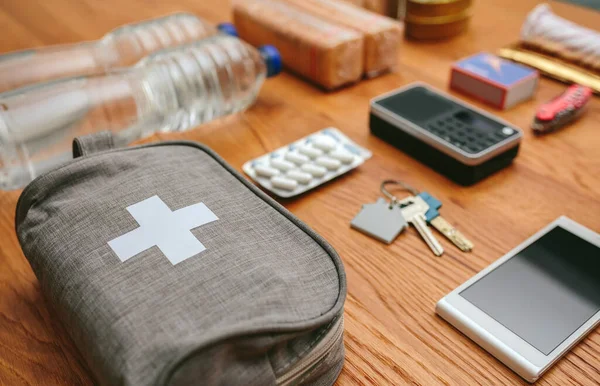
x,y
561,110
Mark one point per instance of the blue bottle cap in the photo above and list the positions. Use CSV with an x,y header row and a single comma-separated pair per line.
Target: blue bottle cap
x,y
272,59
228,29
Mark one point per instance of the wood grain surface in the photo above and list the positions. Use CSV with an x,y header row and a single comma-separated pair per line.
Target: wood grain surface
x,y
392,333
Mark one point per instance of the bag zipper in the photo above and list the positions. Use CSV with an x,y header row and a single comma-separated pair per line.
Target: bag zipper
x,y
327,344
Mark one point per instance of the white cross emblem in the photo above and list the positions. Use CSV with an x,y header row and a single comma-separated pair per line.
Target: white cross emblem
x,y
161,227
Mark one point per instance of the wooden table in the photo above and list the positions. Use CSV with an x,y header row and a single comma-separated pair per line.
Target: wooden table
x,y
392,333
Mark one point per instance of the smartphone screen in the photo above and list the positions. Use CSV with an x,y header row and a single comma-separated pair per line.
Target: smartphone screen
x,y
544,293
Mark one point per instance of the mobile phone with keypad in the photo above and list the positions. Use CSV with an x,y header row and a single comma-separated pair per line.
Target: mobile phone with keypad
x,y
458,140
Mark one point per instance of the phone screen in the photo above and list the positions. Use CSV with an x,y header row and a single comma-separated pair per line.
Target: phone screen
x,y
544,293
418,104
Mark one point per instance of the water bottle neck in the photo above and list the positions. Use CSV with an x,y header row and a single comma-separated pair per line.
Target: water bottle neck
x,y
34,66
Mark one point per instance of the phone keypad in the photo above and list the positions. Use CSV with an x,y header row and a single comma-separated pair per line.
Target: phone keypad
x,y
466,137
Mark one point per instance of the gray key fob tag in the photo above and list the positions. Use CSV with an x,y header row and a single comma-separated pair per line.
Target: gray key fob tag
x,y
380,221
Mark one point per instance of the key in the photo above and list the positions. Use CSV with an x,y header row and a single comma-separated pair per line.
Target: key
x,y
453,234
380,220
414,213
434,218
433,203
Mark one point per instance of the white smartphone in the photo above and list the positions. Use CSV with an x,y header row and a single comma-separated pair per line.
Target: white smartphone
x,y
534,304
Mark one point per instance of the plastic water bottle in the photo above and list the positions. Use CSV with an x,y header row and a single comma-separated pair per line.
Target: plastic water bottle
x,y
122,47
172,90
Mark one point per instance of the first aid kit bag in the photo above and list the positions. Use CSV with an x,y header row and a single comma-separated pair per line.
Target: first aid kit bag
x,y
167,267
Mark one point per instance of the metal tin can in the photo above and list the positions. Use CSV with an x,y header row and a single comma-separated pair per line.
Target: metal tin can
x,y
436,19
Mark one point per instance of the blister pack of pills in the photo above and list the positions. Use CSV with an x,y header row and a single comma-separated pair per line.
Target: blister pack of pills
x,y
306,163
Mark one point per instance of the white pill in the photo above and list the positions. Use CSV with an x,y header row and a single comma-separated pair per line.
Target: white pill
x,y
266,171
296,158
315,170
324,143
282,165
331,164
310,151
283,183
301,177
342,155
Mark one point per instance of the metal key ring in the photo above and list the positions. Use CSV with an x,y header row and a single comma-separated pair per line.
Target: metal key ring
x,y
404,186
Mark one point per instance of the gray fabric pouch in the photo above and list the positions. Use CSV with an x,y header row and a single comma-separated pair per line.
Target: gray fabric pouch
x,y
168,268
